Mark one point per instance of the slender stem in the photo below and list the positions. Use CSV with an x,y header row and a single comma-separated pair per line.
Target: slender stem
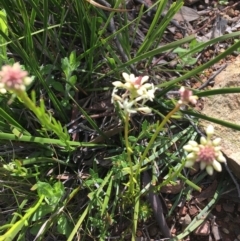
x,y
189,183
159,128
44,118
135,214
129,152
16,227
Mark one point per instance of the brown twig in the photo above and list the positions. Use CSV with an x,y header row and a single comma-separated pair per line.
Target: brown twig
x,y
206,24
157,208
107,8
212,77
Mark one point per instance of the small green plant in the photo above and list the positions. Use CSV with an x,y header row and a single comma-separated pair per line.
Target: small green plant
x,y
223,2
15,80
145,211
236,41
187,59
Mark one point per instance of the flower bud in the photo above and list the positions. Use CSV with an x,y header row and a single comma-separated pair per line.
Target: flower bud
x,y
217,166
210,130
209,170
216,141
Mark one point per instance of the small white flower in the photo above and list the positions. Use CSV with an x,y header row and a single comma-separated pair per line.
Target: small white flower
x,y
118,84
203,140
209,170
188,148
210,130
189,163
191,156
217,166
203,165
193,143
135,81
145,110
221,158
127,106
216,141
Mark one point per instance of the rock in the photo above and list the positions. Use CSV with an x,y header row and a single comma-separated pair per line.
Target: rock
x,y
185,221
228,207
203,229
226,107
226,231
173,188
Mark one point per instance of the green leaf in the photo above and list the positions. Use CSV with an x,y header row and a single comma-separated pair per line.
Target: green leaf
x,y
66,67
58,189
188,60
57,86
73,80
72,58
64,225
42,211
180,50
45,189
4,29
144,125
132,139
111,62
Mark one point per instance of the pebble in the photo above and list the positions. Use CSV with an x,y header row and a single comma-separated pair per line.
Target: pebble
x,y
225,231
178,36
238,208
226,219
219,207
228,207
153,230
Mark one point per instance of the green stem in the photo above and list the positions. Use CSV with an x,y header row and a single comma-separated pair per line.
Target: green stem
x,y
159,128
189,183
13,231
135,215
46,120
129,152
41,140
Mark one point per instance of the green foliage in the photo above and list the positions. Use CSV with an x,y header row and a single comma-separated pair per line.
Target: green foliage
x,y
52,194
235,41
145,211
186,58
3,29
74,57
16,169
69,65
223,2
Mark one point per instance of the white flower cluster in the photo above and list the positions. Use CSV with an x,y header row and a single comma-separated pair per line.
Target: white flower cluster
x,y
137,93
208,152
13,78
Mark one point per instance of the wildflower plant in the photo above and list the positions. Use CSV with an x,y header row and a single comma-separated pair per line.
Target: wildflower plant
x,y
136,93
14,79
